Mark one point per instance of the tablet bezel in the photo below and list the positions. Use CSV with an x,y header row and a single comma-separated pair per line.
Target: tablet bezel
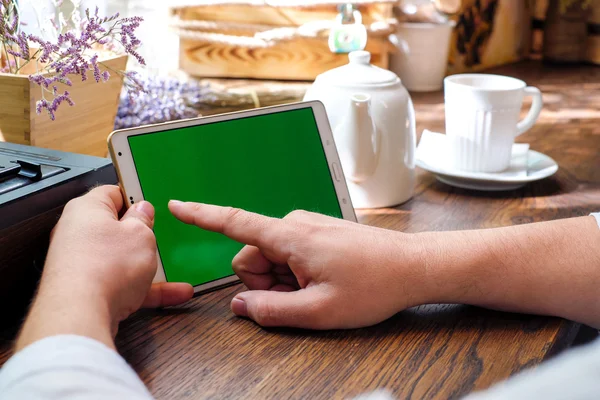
x,y
120,153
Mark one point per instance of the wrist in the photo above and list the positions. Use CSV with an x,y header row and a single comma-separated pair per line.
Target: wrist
x,y
446,264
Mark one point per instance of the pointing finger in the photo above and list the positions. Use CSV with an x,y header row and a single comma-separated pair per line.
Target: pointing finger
x,y
240,225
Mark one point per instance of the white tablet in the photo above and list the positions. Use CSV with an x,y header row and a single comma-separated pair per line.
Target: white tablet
x,y
270,161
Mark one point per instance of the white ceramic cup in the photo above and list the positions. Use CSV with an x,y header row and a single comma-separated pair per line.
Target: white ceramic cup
x,y
482,119
421,57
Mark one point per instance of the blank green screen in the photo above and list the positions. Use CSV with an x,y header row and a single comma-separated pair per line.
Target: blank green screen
x,y
270,164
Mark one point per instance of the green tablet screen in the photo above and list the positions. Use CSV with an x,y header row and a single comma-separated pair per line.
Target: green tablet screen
x,y
270,164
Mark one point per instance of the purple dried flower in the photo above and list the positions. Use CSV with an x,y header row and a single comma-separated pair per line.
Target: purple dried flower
x,y
12,52
71,54
137,56
23,45
67,98
163,99
128,39
94,62
53,106
38,79
66,81
15,23
46,48
135,81
36,39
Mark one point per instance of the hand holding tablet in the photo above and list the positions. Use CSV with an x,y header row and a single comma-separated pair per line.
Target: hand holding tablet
x,y
269,161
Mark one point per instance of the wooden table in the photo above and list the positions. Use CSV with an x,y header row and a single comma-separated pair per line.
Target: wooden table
x,y
200,350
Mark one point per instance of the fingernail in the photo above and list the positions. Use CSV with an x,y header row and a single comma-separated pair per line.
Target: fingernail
x,y
238,306
175,204
146,208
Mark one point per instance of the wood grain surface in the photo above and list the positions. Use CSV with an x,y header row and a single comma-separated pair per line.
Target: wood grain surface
x,y
299,58
295,59
201,351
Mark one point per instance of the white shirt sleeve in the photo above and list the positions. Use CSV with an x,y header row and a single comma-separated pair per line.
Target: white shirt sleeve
x,y
574,375
69,367
597,216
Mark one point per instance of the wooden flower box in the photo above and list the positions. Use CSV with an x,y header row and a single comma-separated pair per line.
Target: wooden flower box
x,y
227,38
81,128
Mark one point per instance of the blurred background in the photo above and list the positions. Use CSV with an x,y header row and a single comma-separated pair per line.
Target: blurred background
x,y
211,56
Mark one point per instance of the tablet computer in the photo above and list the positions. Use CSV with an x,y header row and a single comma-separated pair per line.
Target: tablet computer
x,y
270,161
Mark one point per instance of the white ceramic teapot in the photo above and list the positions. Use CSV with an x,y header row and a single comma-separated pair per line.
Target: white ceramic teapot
x,y
372,118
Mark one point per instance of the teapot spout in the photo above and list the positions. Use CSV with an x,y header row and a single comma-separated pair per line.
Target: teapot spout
x,y
358,139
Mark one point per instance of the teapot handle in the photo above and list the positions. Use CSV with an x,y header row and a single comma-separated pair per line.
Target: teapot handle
x,y
411,137
400,44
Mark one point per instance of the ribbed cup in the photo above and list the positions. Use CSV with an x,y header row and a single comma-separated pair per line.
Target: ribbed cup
x,y
481,140
482,113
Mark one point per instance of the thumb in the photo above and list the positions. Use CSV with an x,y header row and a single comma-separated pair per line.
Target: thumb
x,y
143,211
304,308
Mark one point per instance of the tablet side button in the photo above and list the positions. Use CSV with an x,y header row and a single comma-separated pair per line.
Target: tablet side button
x,y
337,174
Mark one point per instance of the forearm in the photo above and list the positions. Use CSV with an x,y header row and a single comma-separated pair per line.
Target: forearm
x,y
60,310
550,268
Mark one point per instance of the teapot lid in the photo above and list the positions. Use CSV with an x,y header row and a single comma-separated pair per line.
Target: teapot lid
x,y
358,72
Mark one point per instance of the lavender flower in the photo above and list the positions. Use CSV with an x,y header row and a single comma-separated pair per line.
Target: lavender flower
x,y
163,99
52,106
94,62
71,55
13,43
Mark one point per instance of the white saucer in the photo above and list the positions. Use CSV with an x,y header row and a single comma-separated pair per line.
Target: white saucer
x,y
526,166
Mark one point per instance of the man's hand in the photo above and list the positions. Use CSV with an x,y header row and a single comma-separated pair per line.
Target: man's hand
x,y
99,270
312,271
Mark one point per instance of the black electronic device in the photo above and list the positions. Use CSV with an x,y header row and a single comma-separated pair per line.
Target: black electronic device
x,y
35,185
